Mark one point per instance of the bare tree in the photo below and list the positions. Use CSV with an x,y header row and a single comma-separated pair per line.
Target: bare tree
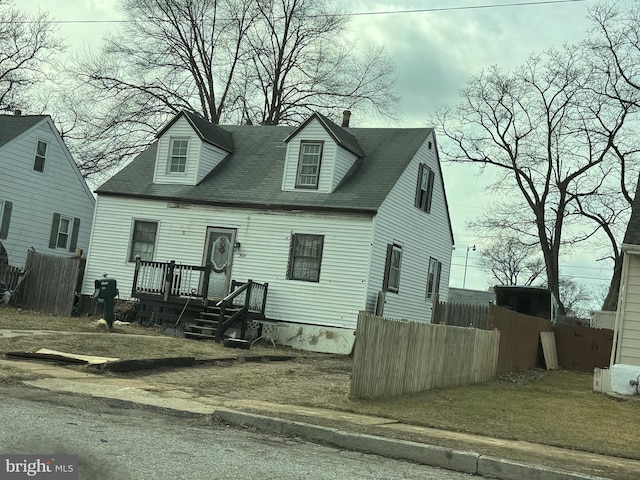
x,y
302,62
27,45
231,61
544,131
615,53
509,261
170,55
576,297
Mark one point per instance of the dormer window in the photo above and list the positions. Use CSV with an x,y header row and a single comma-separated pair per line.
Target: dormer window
x,y
309,164
41,156
178,155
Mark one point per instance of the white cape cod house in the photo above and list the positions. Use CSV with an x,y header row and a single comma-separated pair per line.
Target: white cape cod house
x,y
334,219
45,203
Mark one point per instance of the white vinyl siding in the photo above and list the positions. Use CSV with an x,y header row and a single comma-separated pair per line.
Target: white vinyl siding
x,y
36,197
314,131
180,130
210,157
201,157
334,300
344,161
629,335
422,236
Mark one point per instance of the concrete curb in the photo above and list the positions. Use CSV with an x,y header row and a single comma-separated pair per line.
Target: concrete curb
x,y
460,461
509,470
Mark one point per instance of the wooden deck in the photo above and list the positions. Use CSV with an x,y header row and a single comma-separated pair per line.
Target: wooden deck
x,y
176,295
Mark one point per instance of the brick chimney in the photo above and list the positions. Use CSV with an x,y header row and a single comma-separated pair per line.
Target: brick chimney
x,y
346,116
17,112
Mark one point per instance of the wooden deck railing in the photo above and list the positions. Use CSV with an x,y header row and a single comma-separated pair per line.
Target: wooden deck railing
x,y
170,279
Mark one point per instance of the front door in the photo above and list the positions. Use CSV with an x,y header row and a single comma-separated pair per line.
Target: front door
x,y
219,251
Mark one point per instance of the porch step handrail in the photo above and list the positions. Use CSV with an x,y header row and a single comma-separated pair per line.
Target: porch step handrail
x,y
249,305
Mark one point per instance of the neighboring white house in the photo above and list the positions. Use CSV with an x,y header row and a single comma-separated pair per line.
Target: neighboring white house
x,y
624,372
329,216
45,203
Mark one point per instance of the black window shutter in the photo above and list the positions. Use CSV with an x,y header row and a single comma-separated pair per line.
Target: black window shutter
x,y
436,289
53,238
291,257
6,220
387,268
418,185
74,235
429,191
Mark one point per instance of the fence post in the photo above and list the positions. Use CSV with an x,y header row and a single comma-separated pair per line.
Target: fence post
x,y
134,287
168,280
435,309
205,284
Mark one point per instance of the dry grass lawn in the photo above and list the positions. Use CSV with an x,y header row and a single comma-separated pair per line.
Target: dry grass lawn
x,y
553,408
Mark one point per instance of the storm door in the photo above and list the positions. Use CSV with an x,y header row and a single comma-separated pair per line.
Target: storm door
x,y
219,251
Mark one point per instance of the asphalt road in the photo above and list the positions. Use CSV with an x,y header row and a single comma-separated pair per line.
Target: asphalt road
x,y
118,441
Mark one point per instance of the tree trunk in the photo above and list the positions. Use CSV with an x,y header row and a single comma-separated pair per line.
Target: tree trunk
x,y
611,300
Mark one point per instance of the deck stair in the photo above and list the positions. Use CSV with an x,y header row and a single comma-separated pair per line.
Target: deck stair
x,y
206,326
246,302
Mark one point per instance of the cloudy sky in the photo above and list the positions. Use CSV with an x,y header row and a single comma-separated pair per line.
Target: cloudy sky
x,y
437,45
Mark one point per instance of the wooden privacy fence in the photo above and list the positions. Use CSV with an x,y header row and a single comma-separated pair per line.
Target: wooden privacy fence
x,y
461,315
583,348
578,347
519,339
393,357
51,283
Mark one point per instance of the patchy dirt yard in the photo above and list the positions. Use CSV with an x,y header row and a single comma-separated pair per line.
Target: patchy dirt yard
x,y
318,380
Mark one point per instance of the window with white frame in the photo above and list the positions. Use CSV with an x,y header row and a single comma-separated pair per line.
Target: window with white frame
x,y
433,277
309,164
40,157
391,281
178,155
143,240
424,190
64,232
305,257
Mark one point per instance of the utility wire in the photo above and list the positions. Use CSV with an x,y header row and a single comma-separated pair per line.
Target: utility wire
x,y
354,14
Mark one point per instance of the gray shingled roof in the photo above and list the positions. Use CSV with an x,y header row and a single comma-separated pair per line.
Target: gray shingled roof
x,y
632,235
12,126
252,175
207,131
339,134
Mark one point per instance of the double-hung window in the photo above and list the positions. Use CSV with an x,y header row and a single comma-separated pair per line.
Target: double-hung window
x,y
309,164
178,155
305,257
391,281
143,240
433,277
41,156
64,232
424,189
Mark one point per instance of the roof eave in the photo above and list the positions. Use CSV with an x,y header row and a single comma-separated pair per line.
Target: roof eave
x,y
256,205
